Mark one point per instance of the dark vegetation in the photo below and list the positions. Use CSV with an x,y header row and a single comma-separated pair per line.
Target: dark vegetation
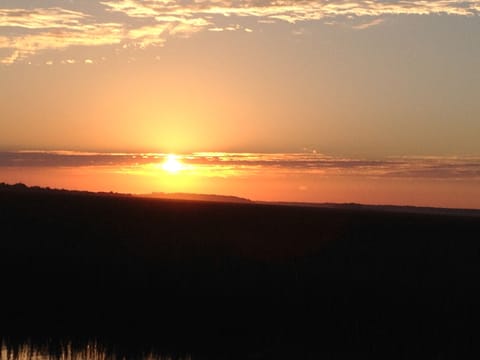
x,y
222,280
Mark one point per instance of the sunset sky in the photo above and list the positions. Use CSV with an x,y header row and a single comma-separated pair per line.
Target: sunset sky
x,y
342,101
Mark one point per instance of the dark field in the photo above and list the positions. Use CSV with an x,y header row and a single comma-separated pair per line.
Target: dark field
x,y
219,280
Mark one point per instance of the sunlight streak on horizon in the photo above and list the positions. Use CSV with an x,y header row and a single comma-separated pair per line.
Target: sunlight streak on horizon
x,y
312,177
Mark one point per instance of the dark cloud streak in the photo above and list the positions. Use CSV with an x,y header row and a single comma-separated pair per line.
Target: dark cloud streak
x,y
467,168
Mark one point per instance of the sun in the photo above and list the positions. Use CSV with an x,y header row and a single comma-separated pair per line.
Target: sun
x,y
172,164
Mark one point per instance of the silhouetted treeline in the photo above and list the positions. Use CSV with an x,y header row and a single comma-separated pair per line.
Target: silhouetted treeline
x,y
239,280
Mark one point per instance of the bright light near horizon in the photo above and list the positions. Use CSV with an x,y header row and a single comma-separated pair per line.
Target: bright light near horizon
x,y
172,164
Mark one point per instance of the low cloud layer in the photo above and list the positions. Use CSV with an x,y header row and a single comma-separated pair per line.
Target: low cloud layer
x,y
452,168
27,31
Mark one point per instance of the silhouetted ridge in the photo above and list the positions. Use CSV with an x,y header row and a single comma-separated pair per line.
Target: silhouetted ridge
x,y
198,197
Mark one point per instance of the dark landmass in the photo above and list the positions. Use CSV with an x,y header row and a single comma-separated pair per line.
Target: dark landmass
x,y
22,188
238,280
197,197
389,208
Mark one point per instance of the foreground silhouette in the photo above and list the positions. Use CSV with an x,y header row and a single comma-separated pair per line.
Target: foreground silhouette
x,y
220,280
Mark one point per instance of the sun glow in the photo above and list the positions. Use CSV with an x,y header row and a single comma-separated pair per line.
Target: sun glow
x,y
172,164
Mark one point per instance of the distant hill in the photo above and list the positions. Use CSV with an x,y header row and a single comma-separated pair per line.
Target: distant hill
x,y
198,197
22,188
388,208
19,187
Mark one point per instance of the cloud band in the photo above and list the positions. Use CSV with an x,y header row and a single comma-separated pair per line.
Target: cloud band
x,y
24,31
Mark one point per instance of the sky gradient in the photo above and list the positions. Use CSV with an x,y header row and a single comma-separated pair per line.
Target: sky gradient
x,y
369,92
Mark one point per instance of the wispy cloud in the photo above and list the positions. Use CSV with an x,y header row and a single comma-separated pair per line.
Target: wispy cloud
x,y
157,34
22,46
368,24
27,31
292,10
452,168
42,18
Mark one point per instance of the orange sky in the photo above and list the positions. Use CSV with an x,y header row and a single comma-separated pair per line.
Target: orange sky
x,y
369,80
302,177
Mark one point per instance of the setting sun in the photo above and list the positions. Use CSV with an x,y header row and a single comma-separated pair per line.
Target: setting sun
x,y
172,164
